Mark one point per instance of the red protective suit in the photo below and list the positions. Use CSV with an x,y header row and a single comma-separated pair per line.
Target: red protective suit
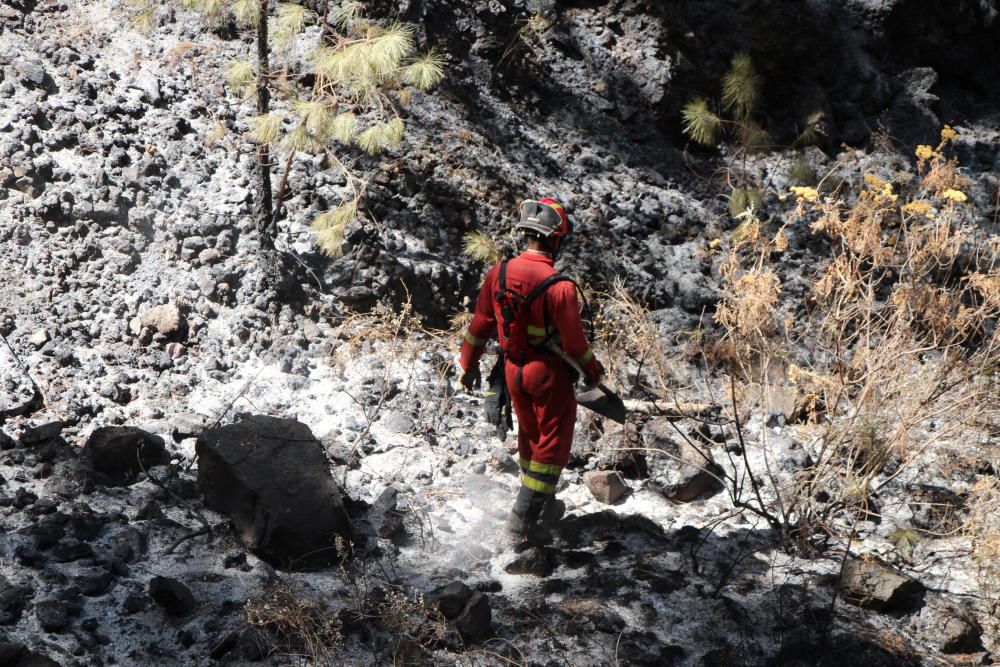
x,y
541,389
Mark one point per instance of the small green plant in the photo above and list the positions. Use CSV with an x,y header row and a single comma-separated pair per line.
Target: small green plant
x,y
744,199
741,95
700,123
904,540
801,172
741,87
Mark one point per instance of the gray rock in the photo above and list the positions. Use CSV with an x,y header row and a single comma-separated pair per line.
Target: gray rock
x,y
473,622
52,615
149,84
38,339
188,425
119,453
960,634
175,350
386,516
30,72
172,595
395,421
936,508
271,477
18,393
166,320
93,581
13,598
870,584
450,599
952,627
605,485
680,470
42,431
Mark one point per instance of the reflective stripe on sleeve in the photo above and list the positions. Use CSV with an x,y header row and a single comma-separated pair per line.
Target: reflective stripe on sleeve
x,y
474,341
587,356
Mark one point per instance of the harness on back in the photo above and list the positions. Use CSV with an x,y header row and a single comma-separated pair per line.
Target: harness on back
x,y
513,334
514,345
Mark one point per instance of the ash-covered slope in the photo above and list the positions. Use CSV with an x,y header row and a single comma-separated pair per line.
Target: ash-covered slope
x,y
125,178
580,100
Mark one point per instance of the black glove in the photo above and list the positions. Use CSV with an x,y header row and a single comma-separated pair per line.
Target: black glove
x,y
592,380
471,378
496,405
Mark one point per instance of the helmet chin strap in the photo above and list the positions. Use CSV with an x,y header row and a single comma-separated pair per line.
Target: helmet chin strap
x,y
558,248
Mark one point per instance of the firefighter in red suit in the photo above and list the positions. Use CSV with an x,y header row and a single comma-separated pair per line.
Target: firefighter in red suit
x,y
539,382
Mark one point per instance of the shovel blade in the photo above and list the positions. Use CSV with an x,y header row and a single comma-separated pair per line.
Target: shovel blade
x,y
607,405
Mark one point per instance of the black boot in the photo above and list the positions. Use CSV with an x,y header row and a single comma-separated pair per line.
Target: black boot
x,y
553,510
524,522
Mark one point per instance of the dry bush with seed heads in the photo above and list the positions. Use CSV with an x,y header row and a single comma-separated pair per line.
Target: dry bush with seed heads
x,y
983,528
624,330
288,622
900,346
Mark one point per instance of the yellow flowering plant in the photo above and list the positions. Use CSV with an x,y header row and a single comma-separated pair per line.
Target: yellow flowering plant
x,y
805,193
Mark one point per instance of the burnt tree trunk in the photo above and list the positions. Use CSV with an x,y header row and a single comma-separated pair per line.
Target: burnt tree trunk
x,y
263,207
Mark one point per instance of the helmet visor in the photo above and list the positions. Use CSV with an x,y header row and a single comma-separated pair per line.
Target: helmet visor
x,y
540,217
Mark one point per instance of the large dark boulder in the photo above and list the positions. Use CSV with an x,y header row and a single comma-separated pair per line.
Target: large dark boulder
x,y
118,454
271,477
13,598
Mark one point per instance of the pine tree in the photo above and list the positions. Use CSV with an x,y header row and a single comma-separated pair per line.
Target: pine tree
x,y
358,70
741,93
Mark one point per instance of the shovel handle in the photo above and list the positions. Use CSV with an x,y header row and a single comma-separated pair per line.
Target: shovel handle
x,y
576,366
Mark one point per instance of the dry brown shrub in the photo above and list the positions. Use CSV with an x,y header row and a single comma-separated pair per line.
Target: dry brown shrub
x,y
291,623
409,621
624,330
751,310
899,346
983,527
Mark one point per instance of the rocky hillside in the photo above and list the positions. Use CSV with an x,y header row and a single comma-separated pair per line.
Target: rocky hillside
x,y
139,341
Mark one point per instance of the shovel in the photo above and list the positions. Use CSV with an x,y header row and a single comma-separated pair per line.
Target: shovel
x,y
600,399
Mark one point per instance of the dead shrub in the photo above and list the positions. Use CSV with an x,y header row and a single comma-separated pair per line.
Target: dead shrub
x,y
288,622
903,340
983,527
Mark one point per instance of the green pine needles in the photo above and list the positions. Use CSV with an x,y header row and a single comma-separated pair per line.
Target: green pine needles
x,y
741,94
700,123
482,247
743,199
342,87
741,87
331,227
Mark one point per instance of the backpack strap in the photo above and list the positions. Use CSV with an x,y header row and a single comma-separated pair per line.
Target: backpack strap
x,y
515,305
540,290
506,310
